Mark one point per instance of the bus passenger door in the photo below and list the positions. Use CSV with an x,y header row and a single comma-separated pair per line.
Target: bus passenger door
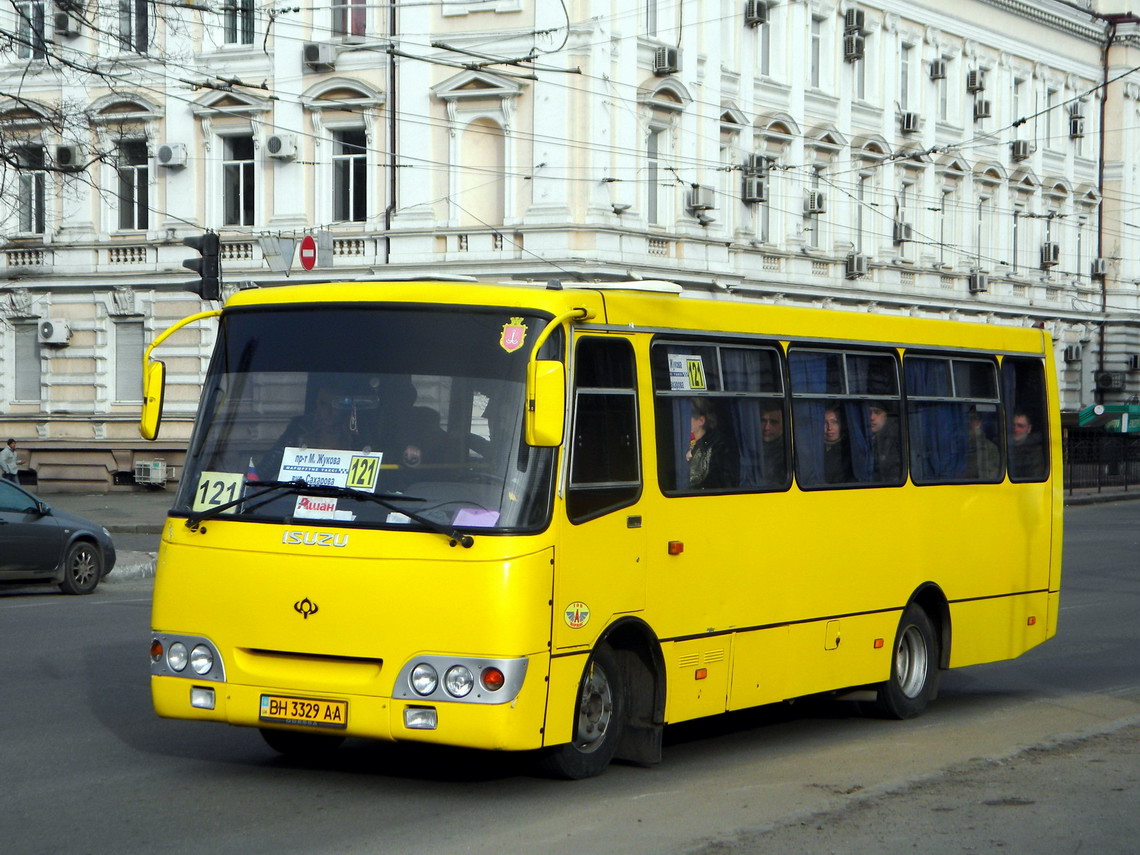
x,y
600,563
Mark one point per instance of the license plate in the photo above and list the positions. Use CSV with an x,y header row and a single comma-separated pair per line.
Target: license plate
x,y
309,711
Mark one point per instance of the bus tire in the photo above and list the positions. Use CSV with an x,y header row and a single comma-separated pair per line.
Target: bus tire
x,y
300,746
914,667
599,717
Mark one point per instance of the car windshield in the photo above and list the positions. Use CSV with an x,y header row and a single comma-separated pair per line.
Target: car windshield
x,y
418,408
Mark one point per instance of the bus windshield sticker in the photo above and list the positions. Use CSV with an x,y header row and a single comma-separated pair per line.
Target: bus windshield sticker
x,y
687,373
328,467
514,334
216,488
314,508
477,517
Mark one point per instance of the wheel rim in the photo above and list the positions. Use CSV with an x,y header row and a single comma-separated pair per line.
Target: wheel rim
x,y
83,567
911,662
595,710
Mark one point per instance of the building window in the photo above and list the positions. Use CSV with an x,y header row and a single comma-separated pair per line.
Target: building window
x,y
1051,112
134,185
1016,238
764,47
859,69
30,42
982,230
27,362
134,26
860,205
239,22
943,93
654,168
238,181
350,171
1017,99
815,73
905,54
128,360
33,187
349,18
650,17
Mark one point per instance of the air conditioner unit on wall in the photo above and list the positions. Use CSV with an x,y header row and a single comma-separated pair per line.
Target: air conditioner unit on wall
x,y
975,81
979,282
755,189
1134,362
903,232
854,45
757,163
666,60
69,157
1099,268
64,24
755,13
938,69
1072,353
982,109
1050,254
1109,381
815,202
702,198
53,331
856,266
1076,127
1021,149
171,155
909,123
319,56
281,146
854,21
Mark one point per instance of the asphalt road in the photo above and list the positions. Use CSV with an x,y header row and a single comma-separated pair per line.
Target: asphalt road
x,y
1034,755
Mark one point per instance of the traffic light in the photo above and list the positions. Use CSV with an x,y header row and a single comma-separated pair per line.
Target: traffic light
x,y
208,267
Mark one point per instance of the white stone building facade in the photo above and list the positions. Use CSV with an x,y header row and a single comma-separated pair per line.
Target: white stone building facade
x,y
975,160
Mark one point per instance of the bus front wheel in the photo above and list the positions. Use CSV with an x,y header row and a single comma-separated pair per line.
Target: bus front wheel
x,y
914,667
598,720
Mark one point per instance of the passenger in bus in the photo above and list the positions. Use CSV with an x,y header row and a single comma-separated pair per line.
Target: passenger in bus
x,y
836,454
773,454
1026,449
712,463
886,448
983,458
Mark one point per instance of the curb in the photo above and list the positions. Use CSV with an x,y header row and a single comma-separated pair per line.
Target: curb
x,y
132,565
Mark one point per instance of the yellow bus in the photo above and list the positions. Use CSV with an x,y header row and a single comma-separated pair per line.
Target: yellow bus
x,y
556,519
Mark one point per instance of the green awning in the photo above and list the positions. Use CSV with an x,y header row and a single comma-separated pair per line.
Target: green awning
x,y
1118,418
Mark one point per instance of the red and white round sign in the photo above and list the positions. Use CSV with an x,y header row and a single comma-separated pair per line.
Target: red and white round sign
x,y
308,252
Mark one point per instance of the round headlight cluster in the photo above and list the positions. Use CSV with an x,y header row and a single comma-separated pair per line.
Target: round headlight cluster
x,y
458,681
425,679
176,656
201,659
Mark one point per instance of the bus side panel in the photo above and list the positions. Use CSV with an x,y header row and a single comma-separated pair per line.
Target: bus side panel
x,y
759,668
999,628
562,697
697,676
841,652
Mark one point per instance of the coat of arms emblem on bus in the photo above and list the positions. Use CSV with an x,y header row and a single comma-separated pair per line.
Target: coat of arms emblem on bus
x,y
514,334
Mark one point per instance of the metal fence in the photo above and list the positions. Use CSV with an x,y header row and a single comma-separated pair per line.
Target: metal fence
x,y
1098,460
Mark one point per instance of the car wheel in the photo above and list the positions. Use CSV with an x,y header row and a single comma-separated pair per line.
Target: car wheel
x,y
82,568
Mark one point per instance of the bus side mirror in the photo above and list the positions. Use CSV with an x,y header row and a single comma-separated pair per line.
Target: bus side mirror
x,y
154,390
545,403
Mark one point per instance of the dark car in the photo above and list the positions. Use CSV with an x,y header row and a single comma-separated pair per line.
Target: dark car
x,y
39,543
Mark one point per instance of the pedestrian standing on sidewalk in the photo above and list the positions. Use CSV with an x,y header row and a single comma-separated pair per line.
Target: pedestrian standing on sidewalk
x,y
9,465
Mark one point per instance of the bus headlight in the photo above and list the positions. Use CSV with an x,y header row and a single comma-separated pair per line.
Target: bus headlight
x,y
424,679
201,659
458,681
176,656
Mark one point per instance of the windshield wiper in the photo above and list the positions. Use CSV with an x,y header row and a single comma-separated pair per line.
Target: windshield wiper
x,y
384,500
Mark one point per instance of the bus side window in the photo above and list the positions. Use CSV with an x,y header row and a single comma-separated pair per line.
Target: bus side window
x,y
1027,428
605,471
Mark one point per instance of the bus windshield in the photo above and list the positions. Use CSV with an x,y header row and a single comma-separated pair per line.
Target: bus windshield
x,y
416,407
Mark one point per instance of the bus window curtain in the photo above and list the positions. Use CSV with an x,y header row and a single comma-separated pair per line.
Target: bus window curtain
x,y
939,432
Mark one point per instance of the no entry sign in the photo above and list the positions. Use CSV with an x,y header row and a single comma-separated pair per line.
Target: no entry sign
x,y
308,252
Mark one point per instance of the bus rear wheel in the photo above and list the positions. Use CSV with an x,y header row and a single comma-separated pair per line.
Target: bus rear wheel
x,y
914,667
599,717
